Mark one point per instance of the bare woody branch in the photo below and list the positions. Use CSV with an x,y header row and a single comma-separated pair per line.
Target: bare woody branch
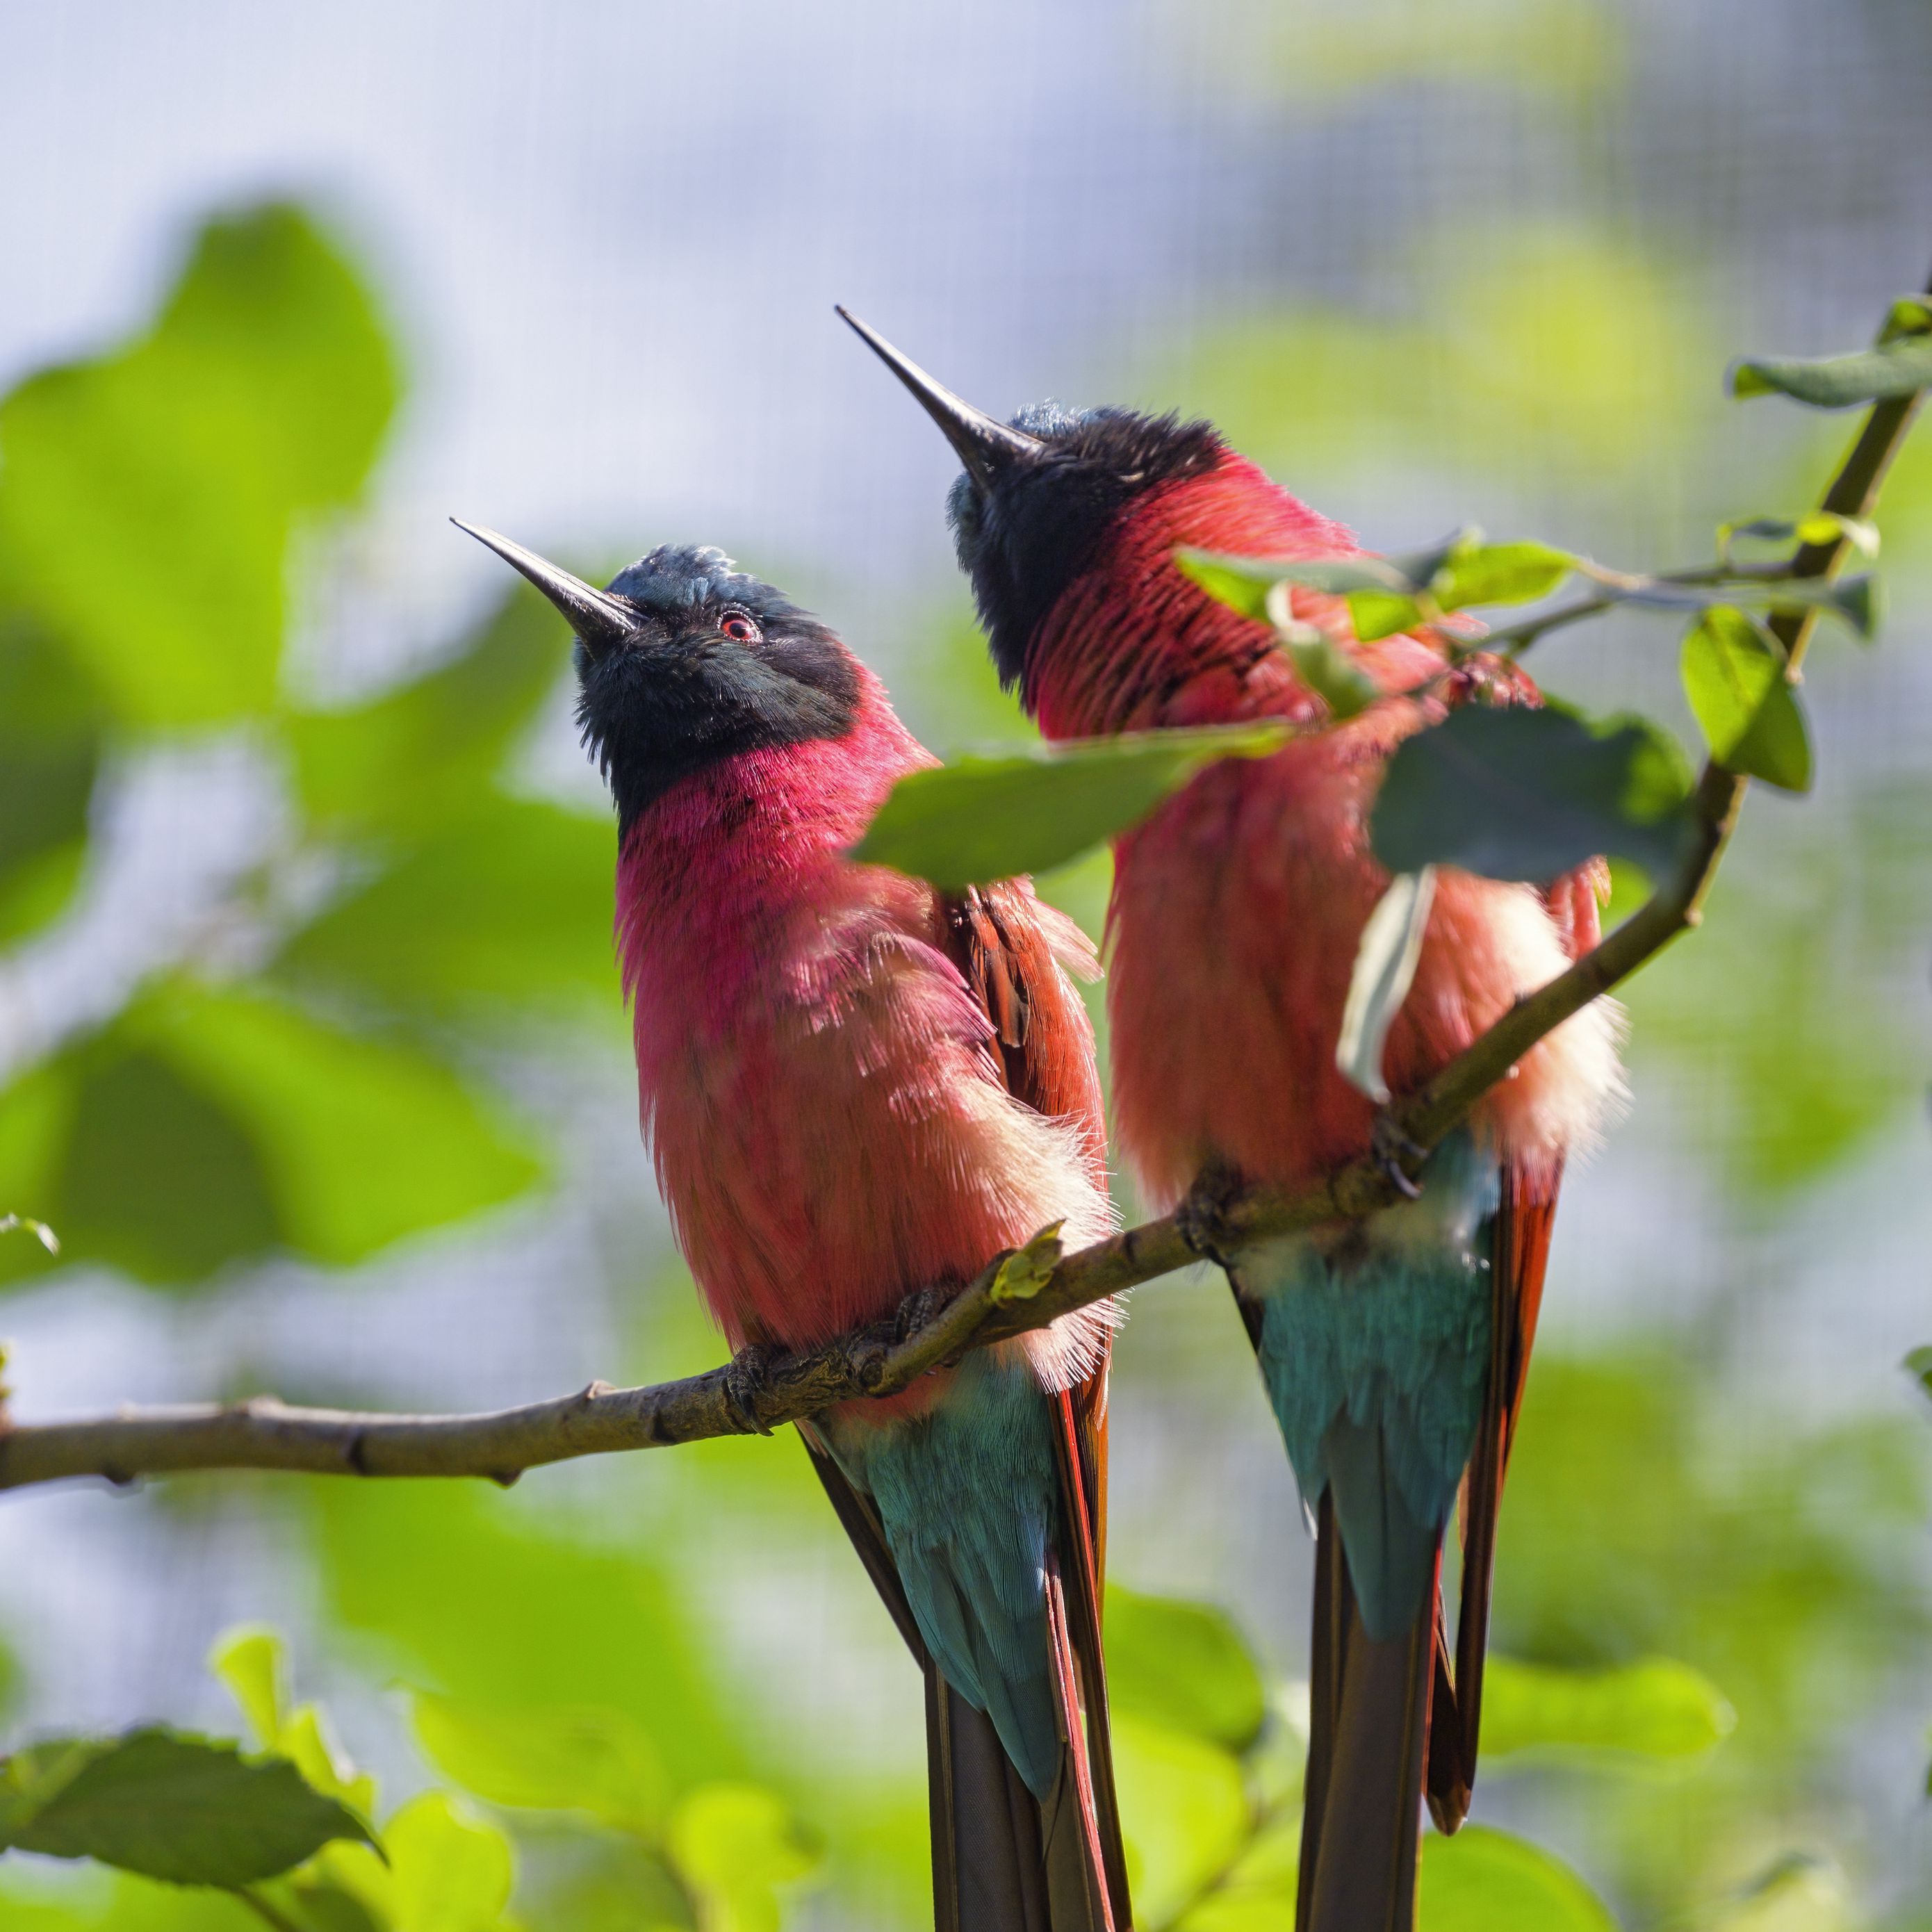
x,y
931,1330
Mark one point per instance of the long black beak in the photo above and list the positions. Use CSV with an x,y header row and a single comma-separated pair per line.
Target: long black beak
x,y
984,446
599,618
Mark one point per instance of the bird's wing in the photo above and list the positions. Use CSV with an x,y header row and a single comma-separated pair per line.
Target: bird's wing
x,y
1519,1256
1015,955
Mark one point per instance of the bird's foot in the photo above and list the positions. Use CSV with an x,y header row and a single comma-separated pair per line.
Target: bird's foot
x,y
916,1309
1395,1153
748,1379
1202,1216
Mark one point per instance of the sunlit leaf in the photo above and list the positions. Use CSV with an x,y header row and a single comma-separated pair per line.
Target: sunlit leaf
x,y
1516,793
1375,614
1483,1880
1184,1814
449,1871
1658,1710
1895,368
1734,676
985,817
249,1662
1386,958
573,1758
1504,573
1183,1666
148,498
190,1810
736,1845
427,750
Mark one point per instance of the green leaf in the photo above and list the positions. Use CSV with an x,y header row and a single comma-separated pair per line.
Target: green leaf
x,y
1257,1893
581,1758
1504,573
1919,1363
1027,1269
1328,669
1894,368
187,1809
208,1125
735,1845
1374,614
148,498
509,905
1516,793
249,1662
1183,1666
1658,1710
428,750
1734,676
448,1871
1184,1814
985,817
1486,1881
1386,958
51,728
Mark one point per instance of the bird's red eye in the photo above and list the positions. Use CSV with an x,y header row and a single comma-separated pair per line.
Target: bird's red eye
x,y
737,626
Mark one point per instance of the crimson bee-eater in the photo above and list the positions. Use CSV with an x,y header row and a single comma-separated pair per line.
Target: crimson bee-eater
x,y
855,1087
1393,1351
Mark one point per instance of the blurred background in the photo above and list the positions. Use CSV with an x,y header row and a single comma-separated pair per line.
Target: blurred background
x,y
311,1042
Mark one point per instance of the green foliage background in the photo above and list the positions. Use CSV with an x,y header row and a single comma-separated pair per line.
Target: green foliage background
x,y
398,1050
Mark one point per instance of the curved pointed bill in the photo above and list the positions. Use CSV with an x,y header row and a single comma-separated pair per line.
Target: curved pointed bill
x,y
599,618
985,447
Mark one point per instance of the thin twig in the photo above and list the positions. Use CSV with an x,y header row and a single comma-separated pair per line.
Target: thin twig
x,y
265,1434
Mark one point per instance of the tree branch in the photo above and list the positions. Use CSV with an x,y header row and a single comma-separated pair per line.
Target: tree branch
x,y
266,1434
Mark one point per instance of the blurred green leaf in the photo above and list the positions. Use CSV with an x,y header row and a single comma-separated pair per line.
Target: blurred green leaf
x,y
571,1625
510,903
185,461
1515,793
51,727
736,1845
1895,368
1257,1893
190,1810
1657,1709
249,1662
1184,1814
1183,1666
1486,1881
1734,676
985,817
1504,573
208,1125
427,751
586,1759
1327,669
1919,1363
449,1871
1244,582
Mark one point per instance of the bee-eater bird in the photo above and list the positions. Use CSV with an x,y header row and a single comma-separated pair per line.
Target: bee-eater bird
x,y
854,1088
1393,1351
